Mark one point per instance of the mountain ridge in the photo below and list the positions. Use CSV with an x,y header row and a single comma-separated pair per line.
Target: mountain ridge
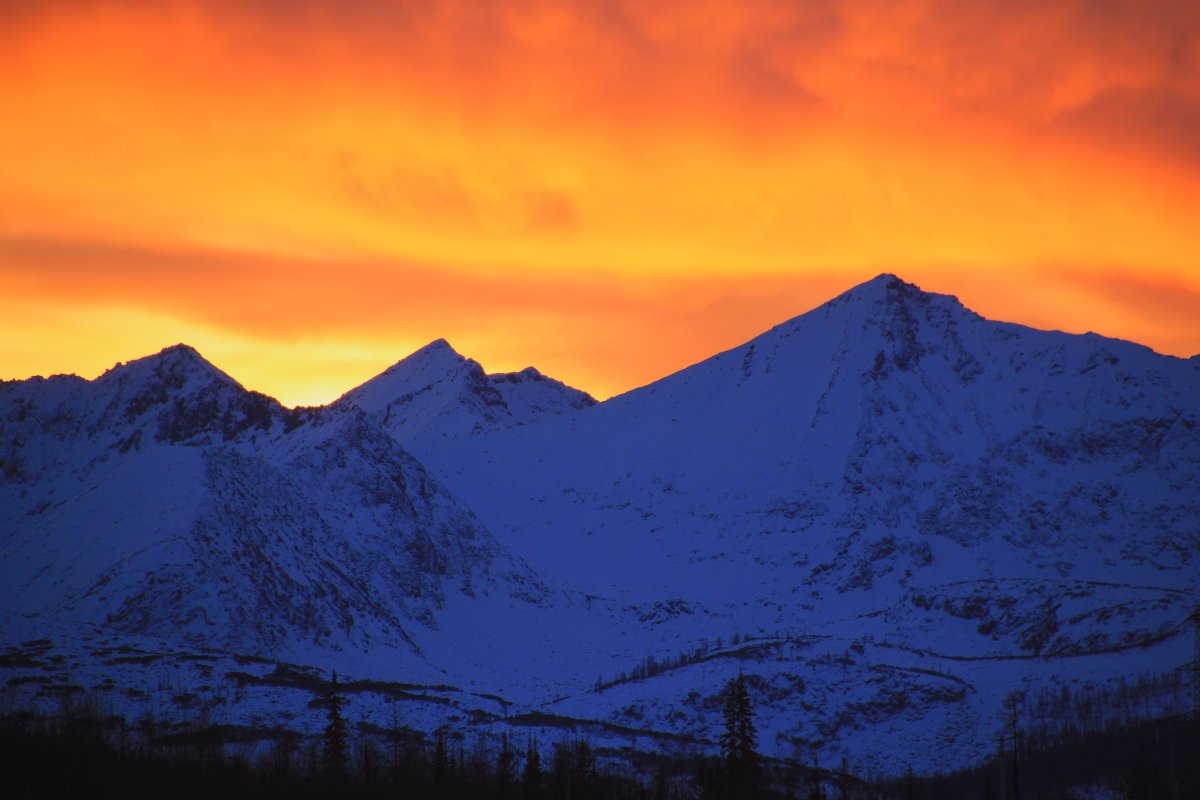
x,y
887,497
436,392
198,510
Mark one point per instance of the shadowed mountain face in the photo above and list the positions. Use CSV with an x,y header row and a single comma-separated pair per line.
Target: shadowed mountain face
x,y
164,499
909,510
889,421
891,472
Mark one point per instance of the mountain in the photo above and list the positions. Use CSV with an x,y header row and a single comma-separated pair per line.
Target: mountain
x,y
435,393
892,497
896,518
163,499
887,409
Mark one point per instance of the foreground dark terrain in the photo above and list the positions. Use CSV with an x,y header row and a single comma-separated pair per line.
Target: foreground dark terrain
x,y
79,751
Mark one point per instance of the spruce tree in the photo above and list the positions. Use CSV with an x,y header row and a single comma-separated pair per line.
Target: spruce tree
x,y
661,791
333,755
531,776
505,762
739,739
441,760
395,737
747,735
584,774
817,792
729,713
910,784
843,779
560,771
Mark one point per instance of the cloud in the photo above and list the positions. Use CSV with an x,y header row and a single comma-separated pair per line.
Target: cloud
x,y
1173,304
282,297
1152,122
579,178
605,333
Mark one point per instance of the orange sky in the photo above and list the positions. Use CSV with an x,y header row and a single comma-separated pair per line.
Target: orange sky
x,y
307,191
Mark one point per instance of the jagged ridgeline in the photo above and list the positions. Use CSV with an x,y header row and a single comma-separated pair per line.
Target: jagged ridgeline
x,y
164,499
889,514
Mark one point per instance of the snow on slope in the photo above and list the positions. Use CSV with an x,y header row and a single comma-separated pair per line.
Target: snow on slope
x,y
163,499
903,510
436,393
889,470
888,410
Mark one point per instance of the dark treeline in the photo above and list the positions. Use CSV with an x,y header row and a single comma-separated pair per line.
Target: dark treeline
x,y
79,751
650,666
1145,760
71,755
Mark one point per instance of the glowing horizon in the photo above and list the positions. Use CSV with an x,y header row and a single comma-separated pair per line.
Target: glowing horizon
x,y
308,192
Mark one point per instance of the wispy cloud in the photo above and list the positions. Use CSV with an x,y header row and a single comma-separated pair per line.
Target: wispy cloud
x,y
573,178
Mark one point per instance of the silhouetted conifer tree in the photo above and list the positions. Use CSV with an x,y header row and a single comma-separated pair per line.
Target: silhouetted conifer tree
x,y
333,756
910,784
660,784
440,769
817,791
739,739
584,776
368,763
531,775
709,778
560,771
505,767
395,739
843,779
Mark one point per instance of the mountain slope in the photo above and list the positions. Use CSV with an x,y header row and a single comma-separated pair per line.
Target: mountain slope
x,y
163,499
889,513
920,489
436,393
888,409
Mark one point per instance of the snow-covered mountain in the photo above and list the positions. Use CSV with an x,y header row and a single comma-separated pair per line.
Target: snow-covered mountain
x,y
889,513
936,493
164,499
888,411
435,393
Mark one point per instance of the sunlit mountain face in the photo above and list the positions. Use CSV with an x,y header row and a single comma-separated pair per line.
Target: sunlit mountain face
x,y
304,191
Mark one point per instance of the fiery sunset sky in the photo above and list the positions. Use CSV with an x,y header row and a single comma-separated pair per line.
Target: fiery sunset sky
x,y
609,190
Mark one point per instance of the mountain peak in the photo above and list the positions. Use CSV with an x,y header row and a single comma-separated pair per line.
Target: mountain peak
x,y
435,369
886,295
438,392
439,355
527,374
439,347
181,348
879,288
175,364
